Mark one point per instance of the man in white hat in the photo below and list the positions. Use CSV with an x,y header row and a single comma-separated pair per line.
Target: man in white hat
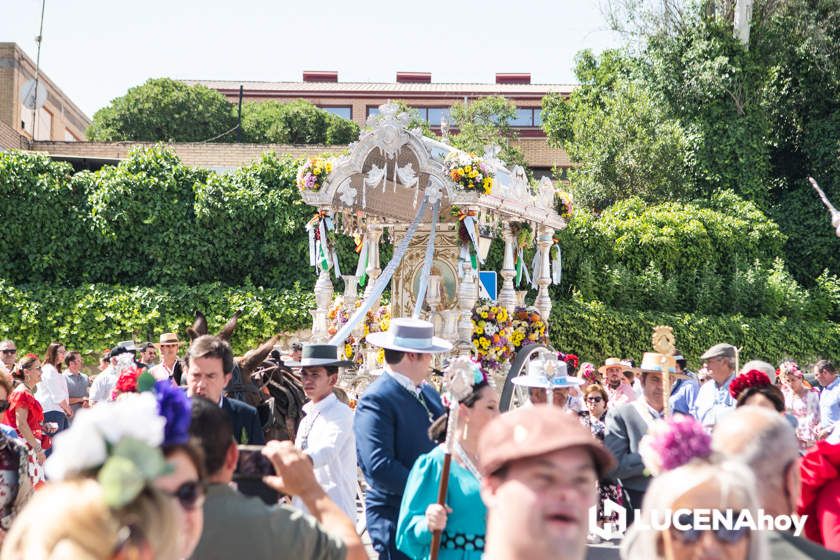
x,y
544,374
619,393
325,434
169,366
392,422
628,423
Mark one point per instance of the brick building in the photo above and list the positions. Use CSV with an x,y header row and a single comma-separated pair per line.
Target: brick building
x,y
358,100
58,120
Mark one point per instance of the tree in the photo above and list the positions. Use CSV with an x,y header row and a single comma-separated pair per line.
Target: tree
x,y
485,122
618,135
295,122
164,110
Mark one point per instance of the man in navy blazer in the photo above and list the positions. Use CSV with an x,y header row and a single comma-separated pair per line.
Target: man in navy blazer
x,y
392,422
209,369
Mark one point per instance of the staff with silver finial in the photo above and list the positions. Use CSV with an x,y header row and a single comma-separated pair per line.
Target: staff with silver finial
x,y
457,385
835,214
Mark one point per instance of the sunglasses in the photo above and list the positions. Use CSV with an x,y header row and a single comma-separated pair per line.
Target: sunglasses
x,y
10,350
594,399
722,534
189,494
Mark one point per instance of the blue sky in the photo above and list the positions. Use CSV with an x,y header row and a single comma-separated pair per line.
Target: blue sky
x,y
96,49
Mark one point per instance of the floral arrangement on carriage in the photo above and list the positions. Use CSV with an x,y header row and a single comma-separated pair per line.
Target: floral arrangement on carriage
x,y
563,204
312,174
492,332
376,320
469,172
528,328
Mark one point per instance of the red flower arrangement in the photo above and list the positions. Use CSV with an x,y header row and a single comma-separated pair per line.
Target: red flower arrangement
x,y
752,378
571,360
32,356
127,381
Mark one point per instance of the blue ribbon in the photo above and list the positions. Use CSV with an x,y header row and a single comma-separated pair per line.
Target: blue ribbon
x,y
381,282
427,263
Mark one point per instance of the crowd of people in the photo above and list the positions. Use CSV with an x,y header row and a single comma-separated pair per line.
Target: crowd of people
x,y
143,459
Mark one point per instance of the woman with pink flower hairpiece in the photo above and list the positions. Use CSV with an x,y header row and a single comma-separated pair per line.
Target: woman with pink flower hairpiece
x,y
688,478
800,401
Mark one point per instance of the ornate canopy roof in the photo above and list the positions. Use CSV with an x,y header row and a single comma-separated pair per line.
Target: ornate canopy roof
x,y
387,172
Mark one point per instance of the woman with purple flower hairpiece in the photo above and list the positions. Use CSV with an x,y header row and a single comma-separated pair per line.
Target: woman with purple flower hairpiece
x,y
689,478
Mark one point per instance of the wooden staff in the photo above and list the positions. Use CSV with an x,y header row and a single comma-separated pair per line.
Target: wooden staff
x,y
458,382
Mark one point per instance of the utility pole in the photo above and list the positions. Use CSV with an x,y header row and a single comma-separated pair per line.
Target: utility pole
x,y
37,70
239,124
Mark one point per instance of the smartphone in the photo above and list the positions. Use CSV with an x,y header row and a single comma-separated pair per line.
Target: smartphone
x,y
252,464
250,469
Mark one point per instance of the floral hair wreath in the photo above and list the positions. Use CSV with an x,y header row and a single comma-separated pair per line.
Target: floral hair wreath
x,y
571,359
588,372
752,378
119,442
32,356
674,442
790,367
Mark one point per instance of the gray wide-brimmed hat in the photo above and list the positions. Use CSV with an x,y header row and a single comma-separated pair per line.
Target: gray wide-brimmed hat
x,y
410,335
721,350
325,355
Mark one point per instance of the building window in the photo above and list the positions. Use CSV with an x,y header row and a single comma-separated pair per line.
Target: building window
x,y
69,136
372,110
343,112
44,129
527,117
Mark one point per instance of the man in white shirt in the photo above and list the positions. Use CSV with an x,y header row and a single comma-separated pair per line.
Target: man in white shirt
x,y
713,399
326,433
169,366
104,383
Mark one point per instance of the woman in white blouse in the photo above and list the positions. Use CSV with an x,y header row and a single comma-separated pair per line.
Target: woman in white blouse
x,y
52,391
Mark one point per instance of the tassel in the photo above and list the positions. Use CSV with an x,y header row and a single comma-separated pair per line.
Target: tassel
x,y
535,266
557,266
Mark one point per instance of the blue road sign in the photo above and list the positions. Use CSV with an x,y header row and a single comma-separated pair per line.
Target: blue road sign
x,y
487,281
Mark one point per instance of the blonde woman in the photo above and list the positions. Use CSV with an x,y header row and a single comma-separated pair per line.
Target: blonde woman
x,y
699,484
71,521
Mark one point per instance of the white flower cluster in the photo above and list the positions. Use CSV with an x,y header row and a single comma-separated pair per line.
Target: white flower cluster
x,y
84,445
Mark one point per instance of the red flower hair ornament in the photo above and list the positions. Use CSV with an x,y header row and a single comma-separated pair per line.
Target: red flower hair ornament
x,y
752,378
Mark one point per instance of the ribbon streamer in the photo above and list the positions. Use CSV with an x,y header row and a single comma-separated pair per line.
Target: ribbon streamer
x,y
427,263
535,266
361,267
381,282
557,266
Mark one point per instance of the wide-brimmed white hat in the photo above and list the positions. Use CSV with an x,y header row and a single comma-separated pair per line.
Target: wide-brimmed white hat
x,y
320,355
410,335
654,362
544,373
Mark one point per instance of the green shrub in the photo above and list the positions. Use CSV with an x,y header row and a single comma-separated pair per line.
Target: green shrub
x,y
595,331
94,316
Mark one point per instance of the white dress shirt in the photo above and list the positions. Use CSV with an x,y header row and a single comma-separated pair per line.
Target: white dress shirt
x,y
52,389
326,435
103,385
714,402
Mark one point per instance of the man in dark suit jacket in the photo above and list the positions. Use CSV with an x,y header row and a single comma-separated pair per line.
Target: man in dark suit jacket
x,y
209,369
392,422
628,423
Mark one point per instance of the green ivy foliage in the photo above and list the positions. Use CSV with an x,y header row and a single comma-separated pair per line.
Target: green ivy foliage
x,y
91,317
595,332
152,221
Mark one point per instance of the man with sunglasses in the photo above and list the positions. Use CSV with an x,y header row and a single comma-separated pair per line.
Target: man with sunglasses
x,y
8,353
766,442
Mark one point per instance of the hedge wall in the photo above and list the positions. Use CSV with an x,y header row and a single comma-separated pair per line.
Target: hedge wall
x,y
594,332
93,316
